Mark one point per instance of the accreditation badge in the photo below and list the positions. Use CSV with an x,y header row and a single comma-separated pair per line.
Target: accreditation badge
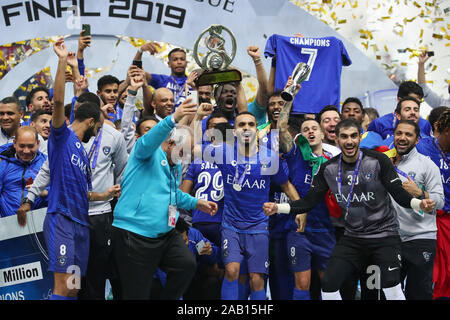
x,y
172,216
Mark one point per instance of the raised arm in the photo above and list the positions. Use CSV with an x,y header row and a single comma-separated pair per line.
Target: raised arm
x,y
58,117
286,140
152,48
423,57
261,75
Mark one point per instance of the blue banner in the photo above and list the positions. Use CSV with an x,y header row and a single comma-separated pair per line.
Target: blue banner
x,y
24,259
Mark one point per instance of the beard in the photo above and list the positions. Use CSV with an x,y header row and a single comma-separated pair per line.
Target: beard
x,y
88,134
406,151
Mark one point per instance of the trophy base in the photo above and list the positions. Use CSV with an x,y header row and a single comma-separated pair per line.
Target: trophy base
x,y
217,77
286,96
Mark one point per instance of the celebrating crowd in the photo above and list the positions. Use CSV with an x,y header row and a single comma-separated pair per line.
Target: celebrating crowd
x,y
201,194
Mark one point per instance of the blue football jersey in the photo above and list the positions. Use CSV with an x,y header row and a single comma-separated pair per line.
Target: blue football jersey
x,y
70,175
428,147
175,84
325,56
243,210
208,186
385,125
278,222
301,176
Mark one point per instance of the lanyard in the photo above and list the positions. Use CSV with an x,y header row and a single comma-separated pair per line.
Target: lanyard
x,y
402,173
88,168
94,148
170,186
441,151
354,177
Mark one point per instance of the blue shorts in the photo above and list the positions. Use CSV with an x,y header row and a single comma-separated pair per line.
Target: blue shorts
x,y
67,244
309,250
245,247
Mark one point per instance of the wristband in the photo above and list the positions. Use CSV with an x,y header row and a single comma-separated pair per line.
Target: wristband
x,y
283,208
415,204
132,92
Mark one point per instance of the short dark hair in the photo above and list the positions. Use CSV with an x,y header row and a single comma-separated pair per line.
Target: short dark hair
x,y
354,100
35,115
444,121
242,114
412,123
175,50
105,80
398,109
143,119
435,114
295,123
89,97
329,107
219,88
88,110
67,110
408,87
372,112
31,94
276,93
309,119
13,100
347,123
214,115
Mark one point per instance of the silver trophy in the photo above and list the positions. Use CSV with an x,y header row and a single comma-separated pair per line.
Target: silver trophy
x,y
214,64
299,75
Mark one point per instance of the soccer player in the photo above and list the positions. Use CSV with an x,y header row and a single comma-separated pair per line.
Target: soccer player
x,y
66,224
177,63
438,149
385,125
408,108
421,178
41,121
309,241
360,180
205,180
10,115
247,173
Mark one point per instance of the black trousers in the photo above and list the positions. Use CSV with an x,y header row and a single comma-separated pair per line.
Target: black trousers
x,y
348,287
351,255
417,267
137,258
100,265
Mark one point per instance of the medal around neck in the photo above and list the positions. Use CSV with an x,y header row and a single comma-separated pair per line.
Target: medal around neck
x,y
214,63
237,187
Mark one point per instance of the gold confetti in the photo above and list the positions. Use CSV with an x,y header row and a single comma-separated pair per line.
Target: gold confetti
x,y
342,21
404,64
416,4
437,36
333,16
434,68
421,33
